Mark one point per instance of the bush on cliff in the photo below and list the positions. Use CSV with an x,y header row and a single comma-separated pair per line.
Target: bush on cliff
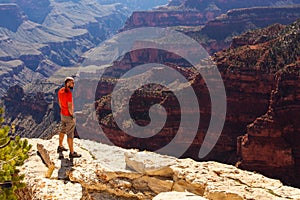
x,y
13,153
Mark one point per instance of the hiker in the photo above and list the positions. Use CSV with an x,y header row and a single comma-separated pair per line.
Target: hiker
x,y
68,123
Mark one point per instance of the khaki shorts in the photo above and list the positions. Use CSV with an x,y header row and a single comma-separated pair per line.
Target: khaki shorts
x,y
67,126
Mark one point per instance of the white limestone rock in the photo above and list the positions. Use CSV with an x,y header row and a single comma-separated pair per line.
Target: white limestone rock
x,y
109,172
178,196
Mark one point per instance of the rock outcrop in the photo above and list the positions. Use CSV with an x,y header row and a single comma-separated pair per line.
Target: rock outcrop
x,y
108,172
276,134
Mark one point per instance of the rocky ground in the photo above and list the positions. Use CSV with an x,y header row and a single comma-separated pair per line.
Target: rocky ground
x,y
109,172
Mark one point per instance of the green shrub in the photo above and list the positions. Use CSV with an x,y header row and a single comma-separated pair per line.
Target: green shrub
x,y
13,153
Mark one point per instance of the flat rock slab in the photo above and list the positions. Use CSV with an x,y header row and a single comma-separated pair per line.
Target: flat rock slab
x,y
150,163
178,196
110,157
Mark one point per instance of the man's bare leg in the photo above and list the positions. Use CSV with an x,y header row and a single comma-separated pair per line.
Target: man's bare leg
x,y
70,143
61,138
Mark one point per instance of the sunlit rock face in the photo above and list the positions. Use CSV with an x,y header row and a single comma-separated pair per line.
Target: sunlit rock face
x,y
112,173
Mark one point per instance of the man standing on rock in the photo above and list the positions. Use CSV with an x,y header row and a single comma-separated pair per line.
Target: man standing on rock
x,y
65,101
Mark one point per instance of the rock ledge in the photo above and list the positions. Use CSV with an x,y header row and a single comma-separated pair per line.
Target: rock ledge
x,y
109,172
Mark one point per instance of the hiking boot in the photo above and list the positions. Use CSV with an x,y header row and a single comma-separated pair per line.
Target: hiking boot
x,y
74,155
61,149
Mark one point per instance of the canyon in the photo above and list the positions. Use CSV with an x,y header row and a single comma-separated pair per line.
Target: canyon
x,y
47,35
260,70
261,94
214,29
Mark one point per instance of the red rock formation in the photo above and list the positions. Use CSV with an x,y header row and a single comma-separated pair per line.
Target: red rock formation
x,y
168,18
217,32
251,69
243,87
271,143
225,5
240,20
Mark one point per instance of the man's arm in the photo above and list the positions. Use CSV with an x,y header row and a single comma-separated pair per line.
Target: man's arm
x,y
70,108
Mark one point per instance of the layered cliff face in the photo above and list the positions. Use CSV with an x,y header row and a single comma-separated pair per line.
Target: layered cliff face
x,y
256,64
215,28
34,114
275,134
251,18
44,35
225,5
22,75
134,5
162,18
11,16
35,10
269,145
62,42
212,30
217,34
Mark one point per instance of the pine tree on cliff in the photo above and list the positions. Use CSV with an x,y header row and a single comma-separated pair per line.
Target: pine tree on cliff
x,y
13,153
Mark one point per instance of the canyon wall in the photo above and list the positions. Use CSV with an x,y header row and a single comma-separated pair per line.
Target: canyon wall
x,y
260,86
213,29
225,5
260,72
34,114
168,18
45,36
274,137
